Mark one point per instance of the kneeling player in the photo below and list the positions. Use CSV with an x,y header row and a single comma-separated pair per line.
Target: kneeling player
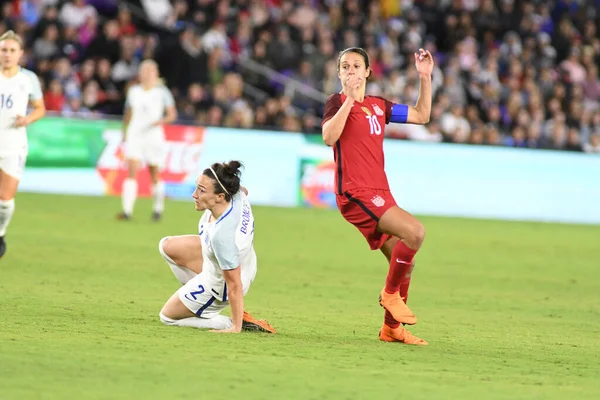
x,y
216,267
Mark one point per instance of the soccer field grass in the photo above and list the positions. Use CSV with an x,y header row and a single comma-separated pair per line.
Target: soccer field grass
x,y
511,310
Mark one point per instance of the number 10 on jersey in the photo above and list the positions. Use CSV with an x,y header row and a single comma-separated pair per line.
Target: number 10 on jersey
x,y
374,124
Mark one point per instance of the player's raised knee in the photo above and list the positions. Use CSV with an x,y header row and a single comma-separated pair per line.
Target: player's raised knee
x,y
416,234
163,245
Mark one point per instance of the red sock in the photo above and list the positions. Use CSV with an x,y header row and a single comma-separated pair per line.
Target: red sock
x,y
390,321
405,283
400,264
404,290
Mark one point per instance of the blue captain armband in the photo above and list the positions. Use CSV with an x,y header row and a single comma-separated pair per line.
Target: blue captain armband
x,y
399,113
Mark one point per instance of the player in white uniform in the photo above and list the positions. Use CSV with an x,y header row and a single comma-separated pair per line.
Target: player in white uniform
x,y
217,266
18,88
148,106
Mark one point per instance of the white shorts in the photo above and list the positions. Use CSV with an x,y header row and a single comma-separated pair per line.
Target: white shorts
x,y
196,296
13,164
150,148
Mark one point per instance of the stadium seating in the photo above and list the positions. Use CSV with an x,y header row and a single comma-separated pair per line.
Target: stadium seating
x,y
508,73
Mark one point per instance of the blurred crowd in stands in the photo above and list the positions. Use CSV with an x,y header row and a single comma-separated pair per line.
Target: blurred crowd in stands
x,y
508,72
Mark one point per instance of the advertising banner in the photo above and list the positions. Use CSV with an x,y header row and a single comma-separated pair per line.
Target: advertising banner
x,y
471,181
181,167
316,183
67,143
69,156
85,157
317,174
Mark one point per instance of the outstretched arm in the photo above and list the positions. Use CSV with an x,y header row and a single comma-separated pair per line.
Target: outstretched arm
x,y
233,278
227,255
421,112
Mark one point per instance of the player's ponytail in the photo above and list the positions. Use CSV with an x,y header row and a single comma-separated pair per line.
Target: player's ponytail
x,y
227,177
232,168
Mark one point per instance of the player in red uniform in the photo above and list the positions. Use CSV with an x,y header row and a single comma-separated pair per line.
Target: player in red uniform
x,y
353,124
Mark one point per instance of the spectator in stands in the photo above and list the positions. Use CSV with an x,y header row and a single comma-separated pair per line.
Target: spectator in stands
x,y
54,97
106,45
509,73
76,13
594,144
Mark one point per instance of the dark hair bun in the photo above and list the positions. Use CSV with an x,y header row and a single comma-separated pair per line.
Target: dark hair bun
x,y
232,168
228,177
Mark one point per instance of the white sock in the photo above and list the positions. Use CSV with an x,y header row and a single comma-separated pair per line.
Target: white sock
x,y
182,274
129,195
217,322
158,192
7,208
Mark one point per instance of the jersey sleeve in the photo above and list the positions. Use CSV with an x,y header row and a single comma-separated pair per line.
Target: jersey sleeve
x,y
225,248
168,97
332,105
387,106
36,88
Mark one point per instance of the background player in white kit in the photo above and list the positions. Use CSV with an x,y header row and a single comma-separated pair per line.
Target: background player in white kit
x,y
148,106
18,88
217,266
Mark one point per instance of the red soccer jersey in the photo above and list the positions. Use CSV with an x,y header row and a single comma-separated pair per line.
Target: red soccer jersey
x,y
358,153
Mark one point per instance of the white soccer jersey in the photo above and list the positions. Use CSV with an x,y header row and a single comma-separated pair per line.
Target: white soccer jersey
x,y
147,107
15,94
228,243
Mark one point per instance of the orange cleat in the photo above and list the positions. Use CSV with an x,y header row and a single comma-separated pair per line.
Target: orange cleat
x,y
123,217
397,307
260,325
387,334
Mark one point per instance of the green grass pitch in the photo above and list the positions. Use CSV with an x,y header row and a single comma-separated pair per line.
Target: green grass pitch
x,y
511,310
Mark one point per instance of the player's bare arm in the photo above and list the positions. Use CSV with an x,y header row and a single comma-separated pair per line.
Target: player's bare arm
x,y
39,110
243,189
332,129
126,121
170,116
233,278
421,112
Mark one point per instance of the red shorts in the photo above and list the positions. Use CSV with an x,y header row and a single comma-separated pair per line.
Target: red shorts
x,y
363,208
